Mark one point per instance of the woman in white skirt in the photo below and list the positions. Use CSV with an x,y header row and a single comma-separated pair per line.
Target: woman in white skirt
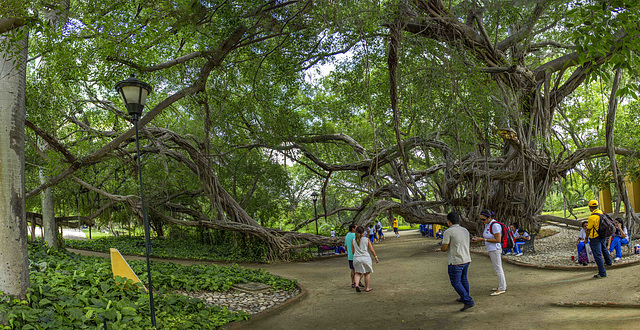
x,y
361,259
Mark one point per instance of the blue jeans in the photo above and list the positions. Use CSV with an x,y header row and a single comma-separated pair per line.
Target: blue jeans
x,y
617,244
458,278
517,245
580,247
599,250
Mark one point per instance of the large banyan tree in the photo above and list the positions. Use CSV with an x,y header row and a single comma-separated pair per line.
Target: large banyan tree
x,y
436,106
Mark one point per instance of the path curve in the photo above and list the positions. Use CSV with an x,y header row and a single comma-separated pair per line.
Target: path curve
x,y
412,291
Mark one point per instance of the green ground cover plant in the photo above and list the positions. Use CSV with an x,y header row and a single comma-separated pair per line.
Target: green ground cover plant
x,y
69,291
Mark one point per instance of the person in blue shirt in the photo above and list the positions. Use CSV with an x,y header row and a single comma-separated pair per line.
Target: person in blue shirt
x,y
618,239
351,235
521,237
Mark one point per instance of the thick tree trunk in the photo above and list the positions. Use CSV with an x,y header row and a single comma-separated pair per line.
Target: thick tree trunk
x,y
617,175
14,265
48,212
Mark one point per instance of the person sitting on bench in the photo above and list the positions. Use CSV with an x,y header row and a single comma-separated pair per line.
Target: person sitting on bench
x,y
618,239
521,237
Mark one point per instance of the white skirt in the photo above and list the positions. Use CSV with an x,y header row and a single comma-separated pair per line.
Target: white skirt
x,y
362,264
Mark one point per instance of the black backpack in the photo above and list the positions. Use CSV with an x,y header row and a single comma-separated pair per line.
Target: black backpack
x,y
508,239
607,227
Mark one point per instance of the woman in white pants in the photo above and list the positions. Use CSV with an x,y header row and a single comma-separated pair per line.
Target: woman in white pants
x,y
492,237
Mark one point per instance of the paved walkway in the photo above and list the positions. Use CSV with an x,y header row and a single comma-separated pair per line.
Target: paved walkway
x,y
412,291
68,233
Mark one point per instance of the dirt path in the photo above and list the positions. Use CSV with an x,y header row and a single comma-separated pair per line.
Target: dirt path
x,y
412,290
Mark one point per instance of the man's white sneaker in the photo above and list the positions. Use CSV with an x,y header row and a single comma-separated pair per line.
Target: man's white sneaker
x,y
616,259
519,254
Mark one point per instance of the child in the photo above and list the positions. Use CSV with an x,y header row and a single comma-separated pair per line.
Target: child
x,y
372,233
521,238
583,258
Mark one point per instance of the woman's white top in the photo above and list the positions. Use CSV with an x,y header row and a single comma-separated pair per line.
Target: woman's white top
x,y
361,250
488,235
582,235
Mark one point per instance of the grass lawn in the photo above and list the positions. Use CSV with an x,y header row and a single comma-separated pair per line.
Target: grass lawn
x,y
95,233
580,212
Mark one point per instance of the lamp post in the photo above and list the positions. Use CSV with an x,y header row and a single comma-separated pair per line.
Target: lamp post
x,y
134,94
314,197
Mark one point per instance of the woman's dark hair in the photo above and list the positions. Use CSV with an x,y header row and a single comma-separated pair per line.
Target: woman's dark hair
x,y
487,213
352,226
621,222
453,217
584,223
359,232
520,231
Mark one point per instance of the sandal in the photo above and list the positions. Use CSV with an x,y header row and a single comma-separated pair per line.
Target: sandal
x,y
358,289
368,290
353,285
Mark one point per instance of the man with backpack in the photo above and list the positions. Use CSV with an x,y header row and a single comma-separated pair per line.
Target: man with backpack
x,y
597,230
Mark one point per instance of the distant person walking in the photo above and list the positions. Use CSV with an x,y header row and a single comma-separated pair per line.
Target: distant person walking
x,y
372,233
347,244
596,242
456,243
492,237
380,233
361,259
395,227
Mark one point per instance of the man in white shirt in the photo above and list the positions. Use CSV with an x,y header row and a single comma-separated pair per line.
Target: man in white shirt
x,y
380,233
456,243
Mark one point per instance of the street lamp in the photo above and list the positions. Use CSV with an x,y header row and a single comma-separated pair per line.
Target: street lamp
x,y
314,197
134,94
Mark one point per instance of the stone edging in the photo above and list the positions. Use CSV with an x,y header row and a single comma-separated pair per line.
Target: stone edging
x,y
555,267
303,294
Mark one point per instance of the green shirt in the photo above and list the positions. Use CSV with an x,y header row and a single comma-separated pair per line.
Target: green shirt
x,y
347,242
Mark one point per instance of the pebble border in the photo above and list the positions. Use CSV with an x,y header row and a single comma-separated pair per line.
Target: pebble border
x,y
276,309
557,267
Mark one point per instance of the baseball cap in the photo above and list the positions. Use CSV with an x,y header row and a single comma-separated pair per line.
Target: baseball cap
x,y
593,202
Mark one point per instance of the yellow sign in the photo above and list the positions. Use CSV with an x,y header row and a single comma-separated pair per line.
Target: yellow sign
x,y
121,268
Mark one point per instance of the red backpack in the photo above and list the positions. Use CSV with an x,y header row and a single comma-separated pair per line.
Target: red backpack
x,y
508,239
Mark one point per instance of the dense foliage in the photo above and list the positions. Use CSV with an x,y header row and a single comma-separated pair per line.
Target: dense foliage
x,y
184,248
188,244
393,108
69,291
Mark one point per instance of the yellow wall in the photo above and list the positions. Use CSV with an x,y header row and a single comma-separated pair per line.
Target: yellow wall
x,y
605,200
633,190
